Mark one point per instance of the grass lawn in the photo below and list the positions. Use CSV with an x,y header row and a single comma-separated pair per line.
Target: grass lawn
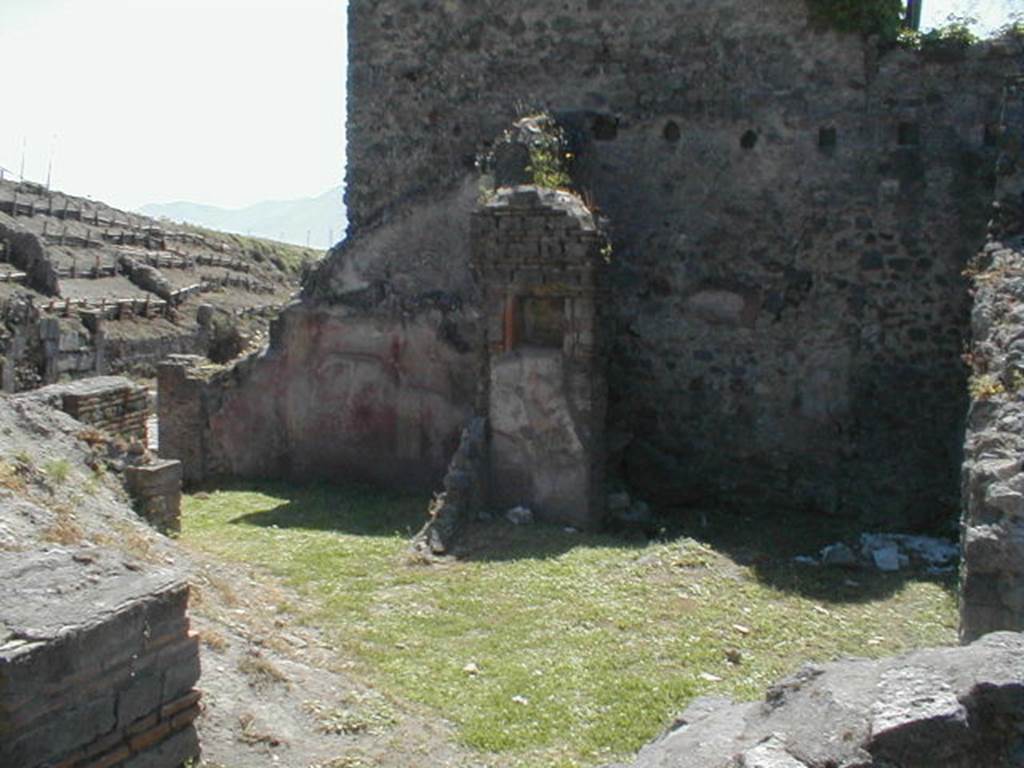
x,y
548,648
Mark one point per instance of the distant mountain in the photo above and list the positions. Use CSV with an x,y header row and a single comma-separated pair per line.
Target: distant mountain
x,y
288,221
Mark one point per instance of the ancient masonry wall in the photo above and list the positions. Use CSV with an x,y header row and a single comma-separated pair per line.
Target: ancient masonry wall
x,y
791,213
992,579
114,404
540,256
104,675
377,396
61,343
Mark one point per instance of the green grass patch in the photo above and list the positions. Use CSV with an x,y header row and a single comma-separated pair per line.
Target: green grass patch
x,y
553,648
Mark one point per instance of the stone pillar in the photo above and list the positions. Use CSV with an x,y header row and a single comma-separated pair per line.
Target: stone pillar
x,y
156,490
540,255
94,322
49,332
181,415
992,575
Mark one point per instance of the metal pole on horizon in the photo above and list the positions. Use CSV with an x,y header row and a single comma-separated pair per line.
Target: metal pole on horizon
x,y
24,143
49,163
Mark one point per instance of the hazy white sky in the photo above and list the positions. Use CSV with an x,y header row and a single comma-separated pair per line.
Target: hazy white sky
x,y
991,14
224,102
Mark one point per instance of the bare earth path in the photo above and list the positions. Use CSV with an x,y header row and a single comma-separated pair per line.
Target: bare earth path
x,y
276,695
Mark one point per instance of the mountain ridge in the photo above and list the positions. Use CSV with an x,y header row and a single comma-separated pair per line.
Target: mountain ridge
x,y
313,220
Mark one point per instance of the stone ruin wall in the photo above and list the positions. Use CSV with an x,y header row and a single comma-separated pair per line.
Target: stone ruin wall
x,y
992,576
791,212
338,394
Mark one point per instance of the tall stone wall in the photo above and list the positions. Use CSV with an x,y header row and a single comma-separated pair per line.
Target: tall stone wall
x,y
992,583
791,212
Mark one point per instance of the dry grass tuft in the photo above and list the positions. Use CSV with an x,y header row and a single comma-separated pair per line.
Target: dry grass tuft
x,y
213,640
261,670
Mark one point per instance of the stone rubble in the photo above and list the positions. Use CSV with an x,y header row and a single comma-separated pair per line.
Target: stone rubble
x,y
889,552
942,708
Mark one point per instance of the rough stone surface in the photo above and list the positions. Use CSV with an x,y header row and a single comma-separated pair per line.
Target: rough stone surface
x,y
97,665
992,579
465,491
540,257
951,707
790,311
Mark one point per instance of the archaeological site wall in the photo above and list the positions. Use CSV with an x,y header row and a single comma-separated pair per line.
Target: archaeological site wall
x,y
790,208
992,575
791,212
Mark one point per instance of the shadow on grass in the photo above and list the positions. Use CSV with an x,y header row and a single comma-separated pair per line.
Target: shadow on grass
x,y
360,510
770,543
767,544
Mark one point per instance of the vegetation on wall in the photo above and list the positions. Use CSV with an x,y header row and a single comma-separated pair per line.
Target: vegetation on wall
x,y
868,17
955,33
549,157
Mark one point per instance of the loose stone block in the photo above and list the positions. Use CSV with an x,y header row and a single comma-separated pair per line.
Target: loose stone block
x,y
156,489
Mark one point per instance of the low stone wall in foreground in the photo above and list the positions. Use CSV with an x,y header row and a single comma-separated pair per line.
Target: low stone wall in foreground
x,y
97,663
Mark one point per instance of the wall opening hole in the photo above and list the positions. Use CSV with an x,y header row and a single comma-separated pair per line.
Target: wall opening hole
x,y
605,127
909,134
827,140
542,321
990,137
749,140
672,133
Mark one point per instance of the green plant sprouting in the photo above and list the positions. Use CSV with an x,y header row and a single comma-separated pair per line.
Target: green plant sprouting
x,y
957,32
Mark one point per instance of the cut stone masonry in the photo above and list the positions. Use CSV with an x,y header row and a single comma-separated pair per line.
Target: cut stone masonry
x,y
540,256
102,676
113,404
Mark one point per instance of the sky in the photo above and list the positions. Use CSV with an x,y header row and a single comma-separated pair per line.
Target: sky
x,y
223,102
220,102
991,14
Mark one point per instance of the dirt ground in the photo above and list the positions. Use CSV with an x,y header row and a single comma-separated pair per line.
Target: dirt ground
x,y
274,694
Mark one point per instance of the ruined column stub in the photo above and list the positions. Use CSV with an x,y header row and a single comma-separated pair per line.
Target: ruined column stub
x,y
992,576
539,255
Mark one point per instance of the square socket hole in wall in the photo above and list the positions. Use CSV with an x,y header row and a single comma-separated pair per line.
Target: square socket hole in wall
x,y
909,134
990,136
827,139
605,127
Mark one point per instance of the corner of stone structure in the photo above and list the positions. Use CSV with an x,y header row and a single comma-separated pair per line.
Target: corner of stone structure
x,y
156,490
538,254
181,381
992,529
